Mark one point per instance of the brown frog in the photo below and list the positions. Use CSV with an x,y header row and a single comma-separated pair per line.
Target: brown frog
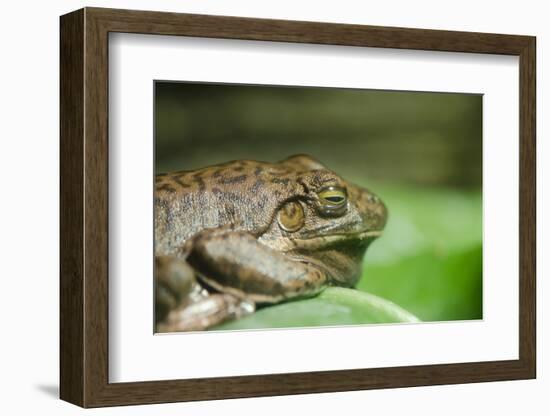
x,y
246,233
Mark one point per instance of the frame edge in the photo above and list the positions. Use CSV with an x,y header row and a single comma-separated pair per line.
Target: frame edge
x,y
71,336
528,207
84,188
282,30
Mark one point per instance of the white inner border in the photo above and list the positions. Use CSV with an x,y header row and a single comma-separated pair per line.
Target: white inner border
x,y
135,354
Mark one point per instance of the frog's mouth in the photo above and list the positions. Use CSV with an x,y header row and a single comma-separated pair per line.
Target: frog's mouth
x,y
362,237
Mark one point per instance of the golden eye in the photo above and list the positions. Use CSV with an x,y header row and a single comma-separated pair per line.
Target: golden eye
x,y
291,216
333,196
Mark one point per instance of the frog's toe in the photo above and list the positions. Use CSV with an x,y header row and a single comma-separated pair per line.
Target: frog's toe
x,y
206,313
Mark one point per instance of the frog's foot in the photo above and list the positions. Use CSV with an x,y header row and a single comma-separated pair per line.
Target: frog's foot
x,y
205,313
175,280
235,262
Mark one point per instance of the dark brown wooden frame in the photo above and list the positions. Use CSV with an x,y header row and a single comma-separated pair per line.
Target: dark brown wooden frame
x,y
84,211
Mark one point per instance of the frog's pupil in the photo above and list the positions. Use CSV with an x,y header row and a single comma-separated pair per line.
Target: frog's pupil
x,y
335,199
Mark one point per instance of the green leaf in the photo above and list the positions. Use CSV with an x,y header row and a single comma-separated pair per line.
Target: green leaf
x,y
429,259
334,306
434,285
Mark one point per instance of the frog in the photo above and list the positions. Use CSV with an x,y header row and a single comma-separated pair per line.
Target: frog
x,y
245,234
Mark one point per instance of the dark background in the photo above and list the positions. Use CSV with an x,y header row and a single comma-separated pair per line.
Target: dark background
x,y
423,138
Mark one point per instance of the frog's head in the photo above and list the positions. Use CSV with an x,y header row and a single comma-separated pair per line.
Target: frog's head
x,y
328,211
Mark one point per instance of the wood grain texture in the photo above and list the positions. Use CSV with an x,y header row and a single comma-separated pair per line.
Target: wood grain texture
x,y
162,23
96,218
71,99
527,208
84,206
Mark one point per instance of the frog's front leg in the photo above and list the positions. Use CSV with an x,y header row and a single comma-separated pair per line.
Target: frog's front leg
x,y
235,262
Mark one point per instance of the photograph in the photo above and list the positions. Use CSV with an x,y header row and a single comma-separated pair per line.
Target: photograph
x,y
305,206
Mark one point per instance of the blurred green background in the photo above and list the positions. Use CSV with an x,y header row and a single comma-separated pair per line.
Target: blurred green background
x,y
420,152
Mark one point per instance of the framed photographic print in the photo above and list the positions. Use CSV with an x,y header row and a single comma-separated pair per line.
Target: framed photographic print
x,y
255,207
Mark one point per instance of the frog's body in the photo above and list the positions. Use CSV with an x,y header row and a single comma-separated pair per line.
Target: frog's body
x,y
230,236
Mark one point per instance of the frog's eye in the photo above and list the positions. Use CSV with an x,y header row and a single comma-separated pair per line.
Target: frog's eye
x,y
291,216
333,196
333,200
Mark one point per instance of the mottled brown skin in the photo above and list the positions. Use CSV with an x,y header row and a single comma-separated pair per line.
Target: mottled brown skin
x,y
231,236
